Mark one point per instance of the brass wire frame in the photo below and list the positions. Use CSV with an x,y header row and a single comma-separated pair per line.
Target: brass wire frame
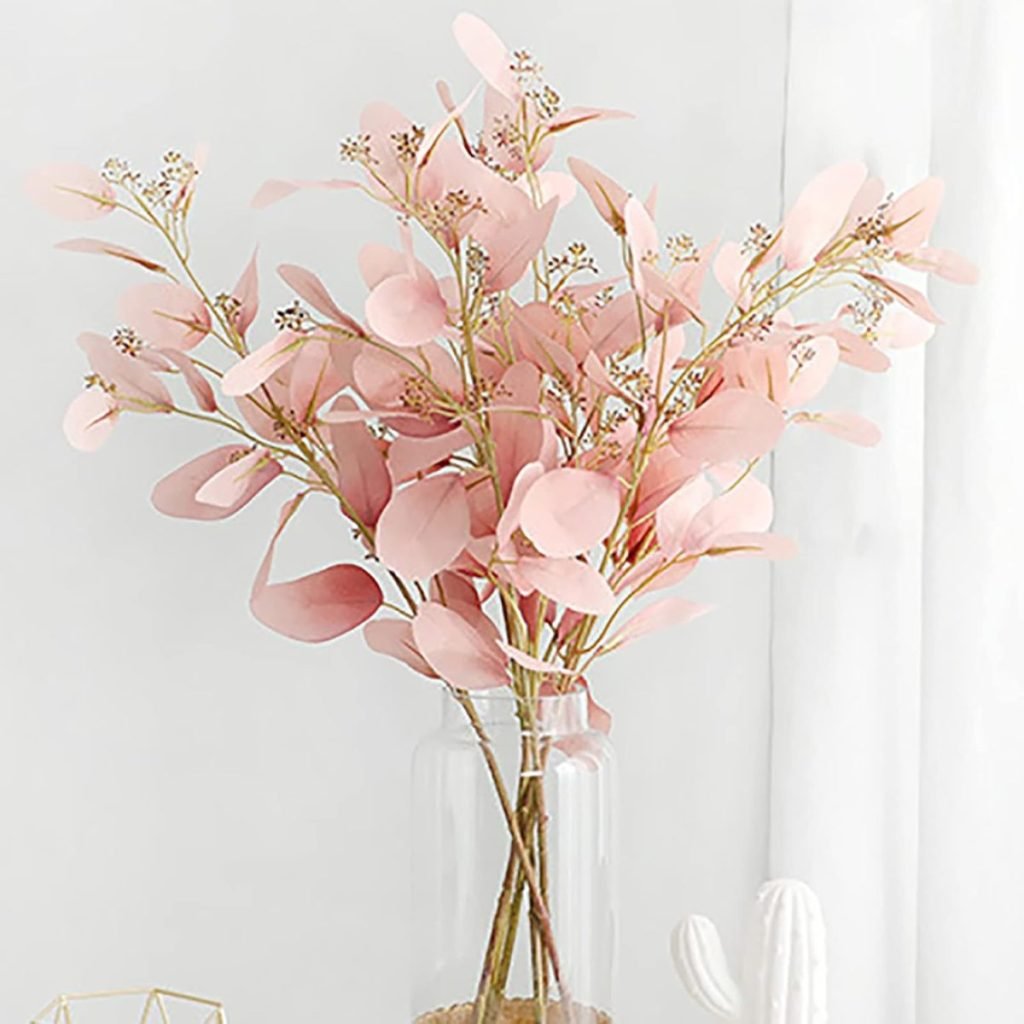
x,y
154,1011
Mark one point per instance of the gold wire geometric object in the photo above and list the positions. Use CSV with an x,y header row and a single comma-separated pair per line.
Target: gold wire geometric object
x,y
154,1006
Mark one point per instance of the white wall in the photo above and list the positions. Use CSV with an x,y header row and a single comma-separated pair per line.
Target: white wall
x,y
186,799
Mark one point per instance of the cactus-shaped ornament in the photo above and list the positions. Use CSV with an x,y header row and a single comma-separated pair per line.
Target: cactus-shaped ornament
x,y
784,970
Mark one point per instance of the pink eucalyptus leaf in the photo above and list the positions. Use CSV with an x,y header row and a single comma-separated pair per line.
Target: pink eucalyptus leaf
x,y
259,366
394,638
321,606
899,328
136,385
534,664
910,297
274,191
732,424
457,652
847,426
409,456
71,191
509,521
247,294
90,419
424,527
198,385
487,53
407,310
944,263
819,211
512,246
813,363
552,185
676,514
746,508
567,511
362,469
231,483
912,215
668,611
857,351
572,116
757,367
518,432
313,379
176,494
753,545
608,196
98,247
665,474
167,315
569,582
730,265
433,134
312,290
641,234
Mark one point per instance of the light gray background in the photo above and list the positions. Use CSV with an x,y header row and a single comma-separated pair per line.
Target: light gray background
x,y
186,799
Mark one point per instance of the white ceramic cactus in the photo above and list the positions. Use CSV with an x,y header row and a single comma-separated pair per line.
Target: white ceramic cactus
x,y
784,971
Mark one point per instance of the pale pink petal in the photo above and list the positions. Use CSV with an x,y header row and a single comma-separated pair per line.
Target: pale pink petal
x,y
746,508
899,328
512,245
487,53
845,425
608,196
167,315
406,310
393,638
363,476
668,611
274,191
71,191
914,300
569,582
312,290
247,292
409,456
456,651
175,494
732,424
534,664
813,363
912,215
89,419
100,248
567,511
202,390
424,527
259,366
675,516
317,607
819,211
509,521
228,485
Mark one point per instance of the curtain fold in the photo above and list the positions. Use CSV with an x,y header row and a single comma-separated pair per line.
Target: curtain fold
x,y
897,767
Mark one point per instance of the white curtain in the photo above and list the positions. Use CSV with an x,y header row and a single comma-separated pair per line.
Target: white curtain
x,y
897,785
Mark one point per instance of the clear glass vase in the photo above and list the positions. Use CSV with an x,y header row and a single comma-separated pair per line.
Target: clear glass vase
x,y
494,941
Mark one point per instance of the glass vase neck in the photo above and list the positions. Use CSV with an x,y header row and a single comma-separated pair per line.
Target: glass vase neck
x,y
557,714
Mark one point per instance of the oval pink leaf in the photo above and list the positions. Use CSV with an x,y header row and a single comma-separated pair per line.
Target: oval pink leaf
x,y
175,494
910,297
528,661
259,366
410,456
247,293
731,424
813,363
393,638
572,116
406,310
314,608
845,425
198,385
819,211
753,545
509,521
608,196
567,511
89,419
946,264
487,53
641,234
71,191
668,611
274,191
136,385
512,246
312,290
674,517
313,379
569,582
459,654
912,215
98,247
424,527
229,485
166,315
362,469
746,508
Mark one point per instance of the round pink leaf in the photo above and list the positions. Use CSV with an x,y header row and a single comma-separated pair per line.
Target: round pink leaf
x,y
71,191
393,638
167,315
457,652
819,211
406,310
567,511
487,53
89,419
259,366
731,424
569,582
